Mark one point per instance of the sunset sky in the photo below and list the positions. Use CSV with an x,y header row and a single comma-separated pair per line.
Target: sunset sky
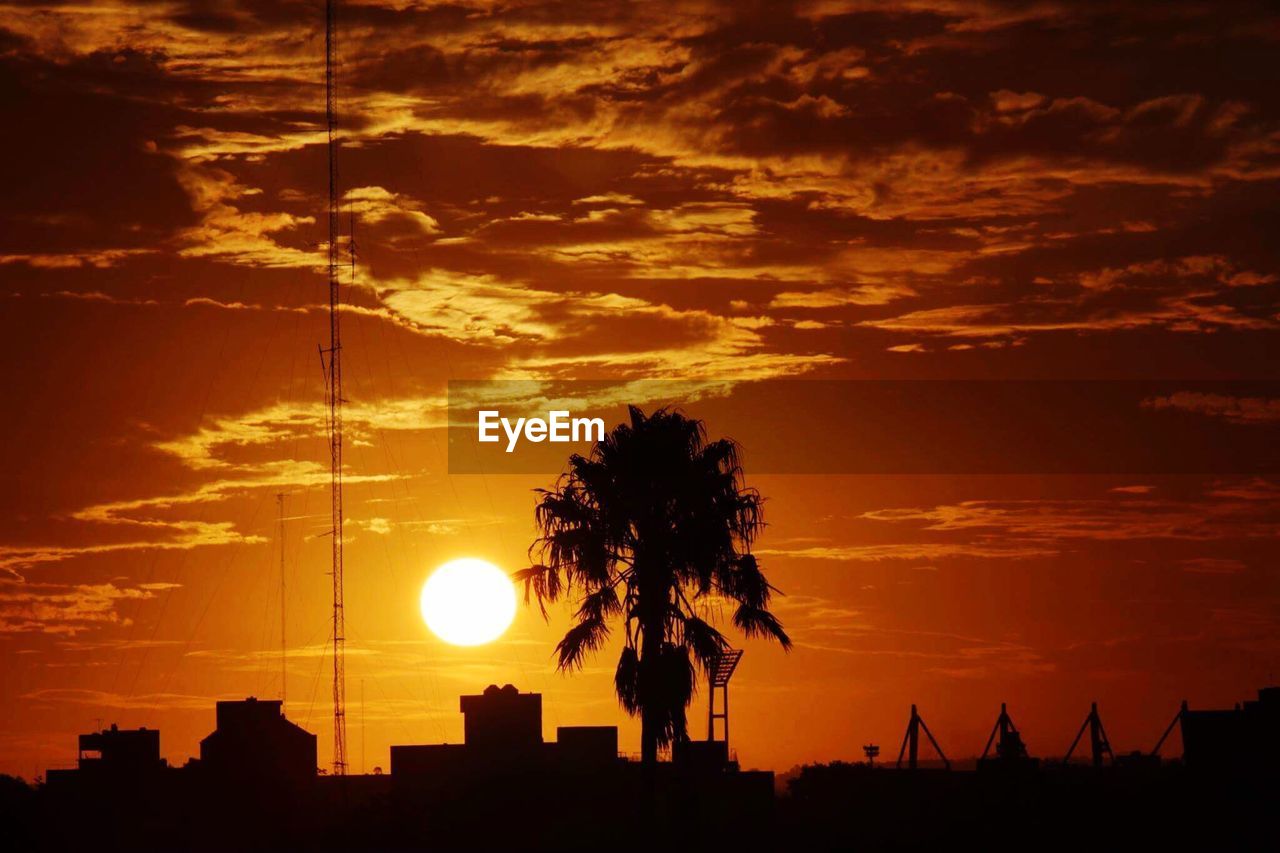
x,y
722,192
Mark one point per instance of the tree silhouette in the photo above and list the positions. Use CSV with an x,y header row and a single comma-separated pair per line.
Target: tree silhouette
x,y
655,521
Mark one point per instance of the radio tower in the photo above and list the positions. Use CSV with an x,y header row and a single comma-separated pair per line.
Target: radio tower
x,y
284,644
333,393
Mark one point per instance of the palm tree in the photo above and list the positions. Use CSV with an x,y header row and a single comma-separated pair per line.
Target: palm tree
x,y
653,523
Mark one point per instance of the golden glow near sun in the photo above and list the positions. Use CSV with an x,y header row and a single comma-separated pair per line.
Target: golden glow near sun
x,y
468,602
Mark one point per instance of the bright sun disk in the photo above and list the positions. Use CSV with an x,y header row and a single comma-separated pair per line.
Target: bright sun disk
x,y
468,602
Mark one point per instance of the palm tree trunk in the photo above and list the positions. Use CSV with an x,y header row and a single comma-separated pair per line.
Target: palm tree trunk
x,y
651,606
650,716
650,720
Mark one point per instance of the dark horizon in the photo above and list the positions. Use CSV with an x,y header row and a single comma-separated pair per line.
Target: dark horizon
x,y
257,771
1167,745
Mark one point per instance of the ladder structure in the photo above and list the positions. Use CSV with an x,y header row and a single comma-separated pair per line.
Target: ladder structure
x,y
721,671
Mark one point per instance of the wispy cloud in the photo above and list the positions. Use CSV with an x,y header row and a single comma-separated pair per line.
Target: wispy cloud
x,y
1056,521
68,609
909,551
52,696
1240,410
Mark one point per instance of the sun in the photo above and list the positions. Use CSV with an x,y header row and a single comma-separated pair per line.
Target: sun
x,y
468,602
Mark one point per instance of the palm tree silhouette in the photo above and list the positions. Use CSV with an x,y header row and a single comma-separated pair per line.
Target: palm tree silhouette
x,y
655,521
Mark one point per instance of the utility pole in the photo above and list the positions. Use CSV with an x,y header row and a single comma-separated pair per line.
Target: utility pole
x,y
333,375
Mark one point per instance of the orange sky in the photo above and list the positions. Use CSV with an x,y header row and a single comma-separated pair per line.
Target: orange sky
x,y
722,192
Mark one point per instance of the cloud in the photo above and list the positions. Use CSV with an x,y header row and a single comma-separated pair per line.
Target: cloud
x,y
376,206
151,519
1257,489
229,232
214,444
587,328
1058,521
909,551
1178,313
819,615
1213,566
582,156
871,294
68,610
93,259
1239,410
380,526
47,696
826,626
168,536
477,309
99,296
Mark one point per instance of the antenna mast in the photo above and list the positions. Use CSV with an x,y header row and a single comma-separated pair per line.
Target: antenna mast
x,y
334,394
284,646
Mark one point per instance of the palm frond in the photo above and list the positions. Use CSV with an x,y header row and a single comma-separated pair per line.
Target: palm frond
x,y
704,641
626,680
600,604
671,691
758,622
587,636
744,582
542,582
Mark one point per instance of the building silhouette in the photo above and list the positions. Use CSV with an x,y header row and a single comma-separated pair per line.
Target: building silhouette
x,y
502,736
256,787
1243,739
113,754
117,750
504,766
254,741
